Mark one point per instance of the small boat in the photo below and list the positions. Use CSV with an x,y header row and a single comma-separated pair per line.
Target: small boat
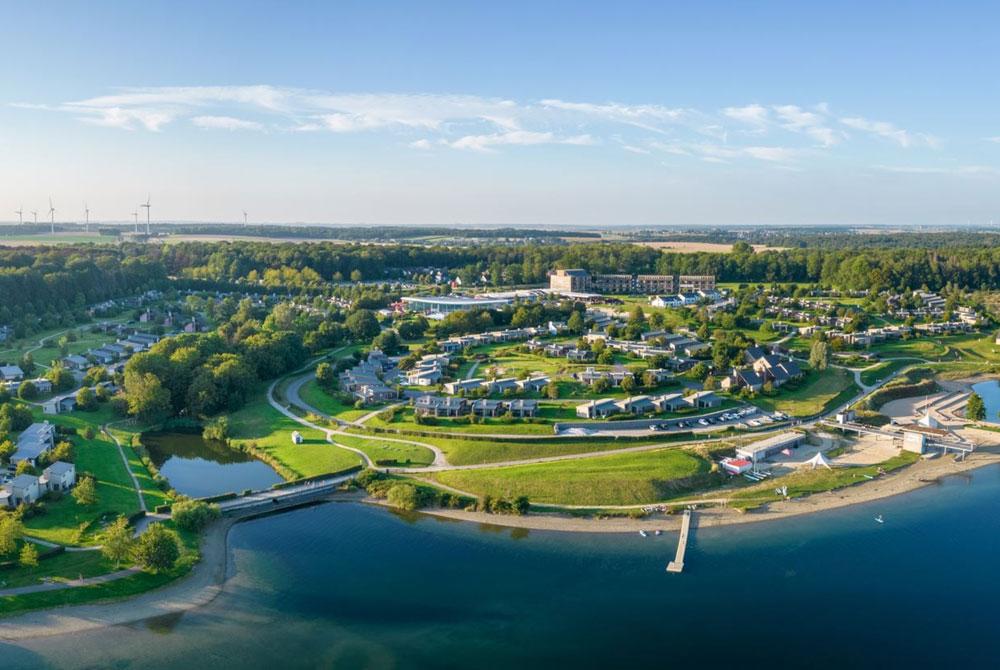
x,y
879,519
643,533
658,532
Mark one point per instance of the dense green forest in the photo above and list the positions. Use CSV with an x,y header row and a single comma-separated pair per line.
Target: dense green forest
x,y
48,282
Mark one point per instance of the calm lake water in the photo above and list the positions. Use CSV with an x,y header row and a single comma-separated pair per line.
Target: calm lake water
x,y
199,468
349,586
989,391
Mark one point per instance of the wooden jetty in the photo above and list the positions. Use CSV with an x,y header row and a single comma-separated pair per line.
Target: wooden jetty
x,y
677,565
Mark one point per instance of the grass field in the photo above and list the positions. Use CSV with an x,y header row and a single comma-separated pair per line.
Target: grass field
x,y
270,431
61,567
121,588
67,522
470,452
885,369
327,404
384,452
621,479
817,392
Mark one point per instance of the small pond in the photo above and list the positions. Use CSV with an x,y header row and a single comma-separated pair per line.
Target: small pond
x,y
198,468
989,391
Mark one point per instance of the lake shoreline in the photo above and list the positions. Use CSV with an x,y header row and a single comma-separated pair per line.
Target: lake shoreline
x,y
919,475
207,578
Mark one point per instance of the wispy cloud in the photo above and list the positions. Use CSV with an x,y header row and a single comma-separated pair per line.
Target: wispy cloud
x,y
813,124
754,115
774,133
225,123
636,150
890,132
995,140
516,138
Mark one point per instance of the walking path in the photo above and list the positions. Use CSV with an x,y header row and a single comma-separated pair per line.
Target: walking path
x,y
317,487
128,468
309,424
69,583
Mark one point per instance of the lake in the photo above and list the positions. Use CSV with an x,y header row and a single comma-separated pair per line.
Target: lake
x,y
198,468
350,586
989,391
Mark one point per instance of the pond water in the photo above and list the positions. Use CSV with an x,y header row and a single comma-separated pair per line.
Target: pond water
x,y
198,468
990,393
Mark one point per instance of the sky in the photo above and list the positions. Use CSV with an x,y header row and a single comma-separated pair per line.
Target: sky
x,y
525,113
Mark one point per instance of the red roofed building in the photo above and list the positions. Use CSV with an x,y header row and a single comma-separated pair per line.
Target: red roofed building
x,y
736,466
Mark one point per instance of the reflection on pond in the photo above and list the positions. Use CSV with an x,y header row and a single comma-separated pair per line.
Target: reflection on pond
x,y
197,467
989,391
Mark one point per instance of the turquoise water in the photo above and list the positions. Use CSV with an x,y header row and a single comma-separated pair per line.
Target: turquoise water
x,y
200,468
349,586
989,391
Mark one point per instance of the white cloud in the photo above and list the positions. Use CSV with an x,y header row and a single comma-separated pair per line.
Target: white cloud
x,y
890,132
648,117
516,137
797,119
772,154
634,149
479,123
995,140
225,123
754,115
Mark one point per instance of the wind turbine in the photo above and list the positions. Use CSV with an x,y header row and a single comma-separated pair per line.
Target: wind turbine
x,y
147,206
20,215
52,217
35,214
244,218
135,219
86,213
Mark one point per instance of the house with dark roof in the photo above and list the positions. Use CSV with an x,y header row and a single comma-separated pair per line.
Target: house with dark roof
x,y
597,409
742,378
434,405
34,441
776,370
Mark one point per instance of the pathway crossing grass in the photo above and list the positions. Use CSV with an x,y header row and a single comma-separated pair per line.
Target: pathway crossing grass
x,y
265,429
384,452
316,397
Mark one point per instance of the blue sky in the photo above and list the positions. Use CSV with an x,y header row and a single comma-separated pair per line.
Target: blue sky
x,y
526,113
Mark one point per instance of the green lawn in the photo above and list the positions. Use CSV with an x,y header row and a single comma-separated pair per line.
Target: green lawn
x,y
67,522
263,427
384,452
621,479
470,452
61,567
327,404
885,369
816,392
121,588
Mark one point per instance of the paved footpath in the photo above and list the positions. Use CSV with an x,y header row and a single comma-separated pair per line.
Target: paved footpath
x,y
69,583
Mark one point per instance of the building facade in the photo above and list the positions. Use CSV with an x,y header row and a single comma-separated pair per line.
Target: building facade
x,y
580,281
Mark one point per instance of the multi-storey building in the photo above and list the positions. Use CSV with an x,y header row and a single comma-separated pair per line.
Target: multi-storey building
x,y
579,281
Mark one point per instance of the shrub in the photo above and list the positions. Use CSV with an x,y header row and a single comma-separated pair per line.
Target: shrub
x,y
158,548
194,515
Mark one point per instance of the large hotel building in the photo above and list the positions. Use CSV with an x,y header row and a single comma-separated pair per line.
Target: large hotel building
x,y
581,281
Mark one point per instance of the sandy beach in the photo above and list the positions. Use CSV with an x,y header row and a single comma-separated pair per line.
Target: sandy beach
x,y
198,588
